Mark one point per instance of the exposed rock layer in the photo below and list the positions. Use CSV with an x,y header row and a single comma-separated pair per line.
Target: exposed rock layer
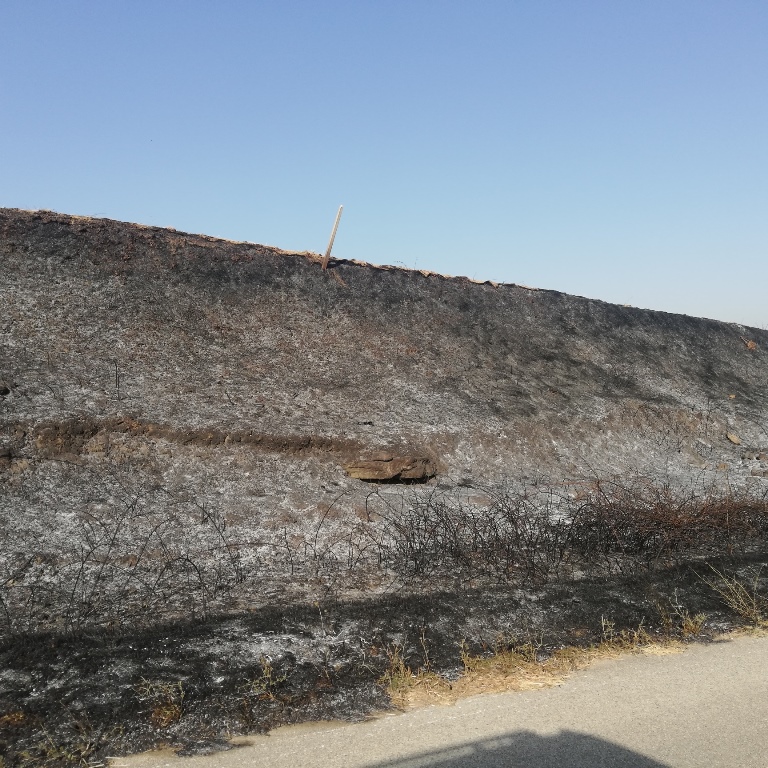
x,y
388,468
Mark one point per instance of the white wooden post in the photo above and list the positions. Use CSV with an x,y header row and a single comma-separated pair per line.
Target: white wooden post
x,y
333,236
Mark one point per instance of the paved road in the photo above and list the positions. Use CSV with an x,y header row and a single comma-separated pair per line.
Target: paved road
x,y
706,707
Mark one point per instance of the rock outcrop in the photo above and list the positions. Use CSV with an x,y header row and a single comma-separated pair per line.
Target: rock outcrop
x,y
384,467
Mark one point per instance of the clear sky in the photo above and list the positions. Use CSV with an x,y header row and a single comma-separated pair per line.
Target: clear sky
x,y
614,149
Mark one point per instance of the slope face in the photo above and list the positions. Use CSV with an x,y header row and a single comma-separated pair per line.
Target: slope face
x,y
176,413
105,319
148,369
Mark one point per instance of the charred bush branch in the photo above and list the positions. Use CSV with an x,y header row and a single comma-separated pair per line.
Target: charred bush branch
x,y
155,556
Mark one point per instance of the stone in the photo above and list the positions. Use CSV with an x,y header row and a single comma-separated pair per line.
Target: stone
x,y
382,456
735,439
384,467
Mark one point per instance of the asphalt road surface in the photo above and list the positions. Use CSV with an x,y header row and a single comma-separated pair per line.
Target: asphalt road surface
x,y
705,707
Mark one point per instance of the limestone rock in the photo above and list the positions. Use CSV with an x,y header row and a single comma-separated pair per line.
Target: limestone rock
x,y
385,467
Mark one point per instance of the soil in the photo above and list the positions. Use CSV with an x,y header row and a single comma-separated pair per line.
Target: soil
x,y
104,693
184,555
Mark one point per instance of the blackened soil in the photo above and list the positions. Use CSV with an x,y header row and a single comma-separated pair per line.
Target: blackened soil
x,y
69,699
197,394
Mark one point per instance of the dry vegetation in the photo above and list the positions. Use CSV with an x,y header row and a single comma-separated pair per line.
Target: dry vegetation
x,y
743,598
150,555
512,665
133,564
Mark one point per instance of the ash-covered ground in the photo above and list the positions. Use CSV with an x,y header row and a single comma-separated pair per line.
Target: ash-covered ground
x,y
75,699
190,547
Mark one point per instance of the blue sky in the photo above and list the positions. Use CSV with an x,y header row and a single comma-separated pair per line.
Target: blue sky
x,y
616,150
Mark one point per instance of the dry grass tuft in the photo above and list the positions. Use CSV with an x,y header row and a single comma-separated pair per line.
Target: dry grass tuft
x,y
165,698
408,688
514,666
743,599
265,684
13,719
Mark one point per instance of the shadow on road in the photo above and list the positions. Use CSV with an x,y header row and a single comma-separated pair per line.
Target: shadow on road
x,y
529,750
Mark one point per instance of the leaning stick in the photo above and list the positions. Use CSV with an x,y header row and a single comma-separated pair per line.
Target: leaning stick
x,y
327,257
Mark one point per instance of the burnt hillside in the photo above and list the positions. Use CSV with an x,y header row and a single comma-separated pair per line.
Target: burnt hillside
x,y
184,347
234,487
191,425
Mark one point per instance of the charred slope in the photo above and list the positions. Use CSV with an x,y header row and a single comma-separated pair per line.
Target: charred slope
x,y
104,319
176,413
